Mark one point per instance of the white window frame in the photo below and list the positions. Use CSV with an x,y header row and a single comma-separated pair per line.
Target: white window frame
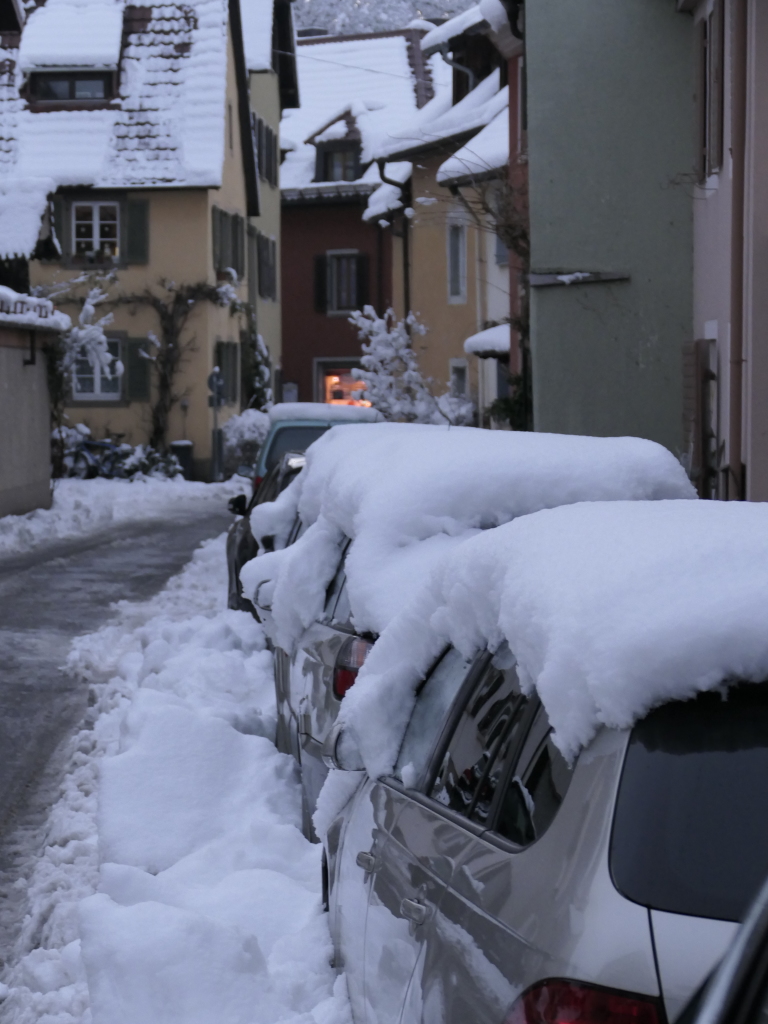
x,y
331,308
96,207
99,379
456,297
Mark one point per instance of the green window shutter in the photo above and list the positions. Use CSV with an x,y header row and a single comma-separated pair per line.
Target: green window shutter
x,y
216,237
137,231
137,369
362,280
321,284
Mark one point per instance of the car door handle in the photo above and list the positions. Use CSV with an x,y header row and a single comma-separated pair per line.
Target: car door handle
x,y
366,861
414,911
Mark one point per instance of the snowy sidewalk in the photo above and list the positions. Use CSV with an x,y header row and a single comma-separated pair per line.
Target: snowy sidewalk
x,y
82,508
175,885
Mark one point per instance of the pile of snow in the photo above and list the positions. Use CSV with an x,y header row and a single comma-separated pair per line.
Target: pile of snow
x,y
84,507
407,494
175,885
609,608
18,310
388,197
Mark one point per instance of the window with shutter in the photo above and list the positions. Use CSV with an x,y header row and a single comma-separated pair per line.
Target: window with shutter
x,y
262,149
362,280
342,282
253,264
216,236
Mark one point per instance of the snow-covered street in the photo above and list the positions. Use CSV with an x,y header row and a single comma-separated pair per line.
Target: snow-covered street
x,y
171,881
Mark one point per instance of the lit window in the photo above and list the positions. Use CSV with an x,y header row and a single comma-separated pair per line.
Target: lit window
x,y
342,283
93,383
96,230
341,388
457,262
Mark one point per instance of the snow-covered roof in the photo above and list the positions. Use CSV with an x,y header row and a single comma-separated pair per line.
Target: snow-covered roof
x,y
322,411
68,33
439,122
610,609
407,494
492,341
257,16
17,310
166,128
484,154
441,34
375,81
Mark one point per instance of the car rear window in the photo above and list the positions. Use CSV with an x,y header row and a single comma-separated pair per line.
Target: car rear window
x,y
291,439
690,832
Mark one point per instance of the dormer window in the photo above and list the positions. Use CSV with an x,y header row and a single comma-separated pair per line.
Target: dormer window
x,y
338,161
340,165
71,88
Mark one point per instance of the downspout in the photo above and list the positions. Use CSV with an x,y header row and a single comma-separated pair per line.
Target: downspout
x,y
471,77
404,188
736,489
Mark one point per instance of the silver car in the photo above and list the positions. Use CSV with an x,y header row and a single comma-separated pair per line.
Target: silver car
x,y
310,686
489,881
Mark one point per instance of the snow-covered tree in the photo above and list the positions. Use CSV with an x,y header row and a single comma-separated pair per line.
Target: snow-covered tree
x,y
390,371
88,341
348,16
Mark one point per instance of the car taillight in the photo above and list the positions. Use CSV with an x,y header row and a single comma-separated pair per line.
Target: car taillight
x,y
557,1001
256,481
350,660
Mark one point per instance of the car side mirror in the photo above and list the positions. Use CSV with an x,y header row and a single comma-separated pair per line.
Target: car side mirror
x,y
238,505
341,752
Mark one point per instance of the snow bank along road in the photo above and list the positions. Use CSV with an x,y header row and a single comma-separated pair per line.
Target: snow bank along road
x,y
171,881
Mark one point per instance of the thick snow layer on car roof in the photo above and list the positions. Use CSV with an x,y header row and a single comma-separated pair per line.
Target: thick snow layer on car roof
x,y
323,411
65,34
406,494
610,609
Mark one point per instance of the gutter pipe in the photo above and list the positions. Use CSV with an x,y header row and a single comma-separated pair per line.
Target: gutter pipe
x,y
471,77
736,489
404,189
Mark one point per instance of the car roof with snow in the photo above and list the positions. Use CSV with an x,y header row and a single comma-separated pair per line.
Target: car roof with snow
x,y
406,494
610,609
323,412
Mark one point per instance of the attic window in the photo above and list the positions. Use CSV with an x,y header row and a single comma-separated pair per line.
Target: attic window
x,y
71,87
338,161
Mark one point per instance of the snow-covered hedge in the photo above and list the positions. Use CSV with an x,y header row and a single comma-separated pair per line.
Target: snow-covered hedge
x,y
243,437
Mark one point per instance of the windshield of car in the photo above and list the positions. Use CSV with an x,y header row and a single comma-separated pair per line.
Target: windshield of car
x,y
690,832
292,439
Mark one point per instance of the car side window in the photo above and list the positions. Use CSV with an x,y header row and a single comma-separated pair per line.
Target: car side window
x,y
494,710
434,700
534,787
342,613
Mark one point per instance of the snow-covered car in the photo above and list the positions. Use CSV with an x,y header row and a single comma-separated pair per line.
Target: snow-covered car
x,y
564,740
379,508
241,546
293,428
